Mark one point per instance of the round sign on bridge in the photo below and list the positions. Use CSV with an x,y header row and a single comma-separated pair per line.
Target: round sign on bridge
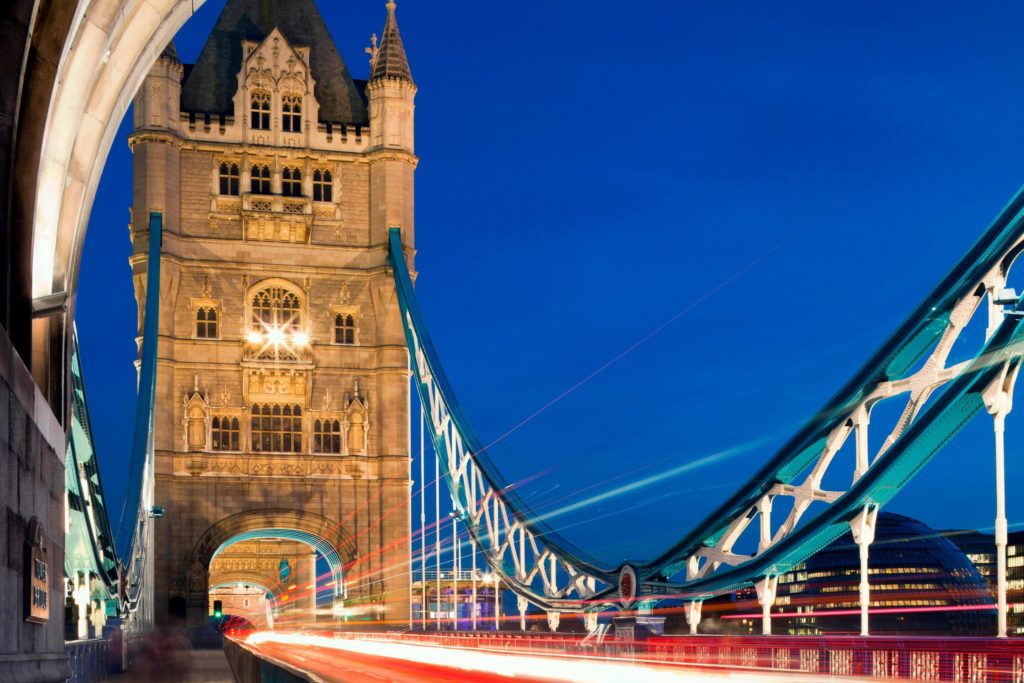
x,y
627,586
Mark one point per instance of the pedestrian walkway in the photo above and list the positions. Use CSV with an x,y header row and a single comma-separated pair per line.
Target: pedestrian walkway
x,y
201,666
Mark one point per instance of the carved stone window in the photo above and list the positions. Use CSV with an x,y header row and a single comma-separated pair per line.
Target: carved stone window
x,y
226,433
207,324
322,186
326,436
276,428
259,182
260,102
276,307
344,328
229,179
291,182
291,113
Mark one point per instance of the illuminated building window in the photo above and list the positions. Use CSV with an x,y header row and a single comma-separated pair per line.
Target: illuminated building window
x,y
291,182
344,328
260,108
259,180
322,191
277,428
226,433
291,113
206,322
229,179
327,436
276,308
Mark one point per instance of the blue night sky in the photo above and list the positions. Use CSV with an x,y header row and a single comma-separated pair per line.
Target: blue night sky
x,y
792,178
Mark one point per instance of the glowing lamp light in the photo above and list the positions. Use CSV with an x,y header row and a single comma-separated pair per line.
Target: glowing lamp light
x,y
275,335
254,337
300,338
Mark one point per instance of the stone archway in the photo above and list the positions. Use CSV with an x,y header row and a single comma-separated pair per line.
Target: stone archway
x,y
322,531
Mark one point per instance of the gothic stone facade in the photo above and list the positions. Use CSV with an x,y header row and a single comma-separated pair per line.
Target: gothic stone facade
x,y
282,382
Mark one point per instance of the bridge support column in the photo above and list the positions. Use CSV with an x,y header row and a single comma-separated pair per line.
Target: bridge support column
x,y
590,621
998,398
863,528
553,620
692,610
521,603
766,589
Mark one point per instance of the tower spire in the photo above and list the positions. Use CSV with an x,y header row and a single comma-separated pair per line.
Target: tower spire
x,y
390,60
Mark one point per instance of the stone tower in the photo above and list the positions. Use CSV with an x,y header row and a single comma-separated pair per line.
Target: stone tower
x,y
282,409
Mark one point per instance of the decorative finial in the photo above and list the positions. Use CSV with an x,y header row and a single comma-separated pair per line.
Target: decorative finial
x,y
372,50
391,5
206,286
357,387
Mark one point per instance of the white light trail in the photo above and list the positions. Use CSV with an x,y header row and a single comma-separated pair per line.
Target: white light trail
x,y
577,670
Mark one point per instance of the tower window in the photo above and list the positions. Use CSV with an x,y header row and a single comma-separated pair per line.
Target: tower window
x,y
206,322
291,182
260,110
291,113
229,179
277,428
226,432
344,328
327,436
260,180
276,308
322,186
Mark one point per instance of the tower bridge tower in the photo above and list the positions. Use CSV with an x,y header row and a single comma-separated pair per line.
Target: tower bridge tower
x,y
282,407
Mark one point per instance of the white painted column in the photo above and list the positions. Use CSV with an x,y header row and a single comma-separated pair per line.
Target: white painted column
x,y
998,398
425,598
455,569
553,620
522,604
692,610
590,621
497,601
766,589
437,539
863,528
473,571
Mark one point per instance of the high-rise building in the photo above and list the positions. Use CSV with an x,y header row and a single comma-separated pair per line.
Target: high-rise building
x,y
282,397
980,548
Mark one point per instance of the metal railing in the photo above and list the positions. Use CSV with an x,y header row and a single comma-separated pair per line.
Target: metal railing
x,y
88,659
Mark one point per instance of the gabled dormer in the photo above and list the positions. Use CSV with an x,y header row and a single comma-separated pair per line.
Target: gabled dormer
x,y
275,92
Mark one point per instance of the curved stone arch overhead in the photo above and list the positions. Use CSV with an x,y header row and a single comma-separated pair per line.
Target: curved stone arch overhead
x,y
250,521
110,48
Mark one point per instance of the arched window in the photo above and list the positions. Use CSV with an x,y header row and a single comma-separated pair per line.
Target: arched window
x,y
291,182
206,322
260,180
276,308
229,179
344,328
226,432
327,436
322,186
260,110
291,113
277,428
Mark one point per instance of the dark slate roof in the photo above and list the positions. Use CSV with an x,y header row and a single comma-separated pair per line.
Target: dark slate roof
x,y
391,61
211,83
170,51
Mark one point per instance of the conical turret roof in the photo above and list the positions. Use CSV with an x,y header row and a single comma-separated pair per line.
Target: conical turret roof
x,y
211,84
391,61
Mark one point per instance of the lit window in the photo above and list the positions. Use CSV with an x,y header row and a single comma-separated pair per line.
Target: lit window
x,y
261,110
291,113
229,179
277,428
327,436
344,329
291,182
322,191
206,322
226,431
259,182
276,308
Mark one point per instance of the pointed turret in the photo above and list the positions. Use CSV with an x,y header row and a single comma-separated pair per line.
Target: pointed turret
x,y
391,94
390,60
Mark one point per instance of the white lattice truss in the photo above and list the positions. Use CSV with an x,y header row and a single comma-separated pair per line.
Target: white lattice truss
x,y
522,559
918,387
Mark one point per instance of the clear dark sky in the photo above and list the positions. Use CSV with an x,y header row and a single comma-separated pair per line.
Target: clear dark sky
x,y
590,169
